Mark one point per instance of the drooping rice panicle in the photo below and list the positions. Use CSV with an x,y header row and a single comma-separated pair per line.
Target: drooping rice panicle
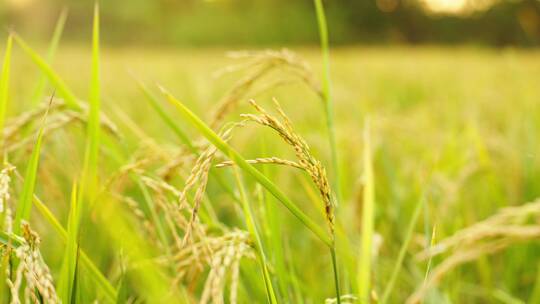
x,y
264,62
506,228
38,281
306,160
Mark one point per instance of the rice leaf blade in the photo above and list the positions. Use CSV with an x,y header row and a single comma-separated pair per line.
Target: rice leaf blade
x,y
4,82
108,291
252,228
66,282
61,87
154,103
181,134
89,174
403,251
24,204
53,46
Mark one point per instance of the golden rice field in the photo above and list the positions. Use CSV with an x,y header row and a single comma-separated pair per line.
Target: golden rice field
x,y
150,178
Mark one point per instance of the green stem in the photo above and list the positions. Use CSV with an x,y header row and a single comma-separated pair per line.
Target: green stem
x,y
402,251
252,228
336,277
329,112
327,94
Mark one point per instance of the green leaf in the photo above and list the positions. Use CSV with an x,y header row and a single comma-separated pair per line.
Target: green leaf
x,y
166,117
252,228
403,251
24,206
93,272
252,171
89,174
150,208
61,87
66,282
42,80
7,239
4,82
181,134
149,278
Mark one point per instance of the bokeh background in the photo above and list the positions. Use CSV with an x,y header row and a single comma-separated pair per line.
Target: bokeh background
x,y
289,22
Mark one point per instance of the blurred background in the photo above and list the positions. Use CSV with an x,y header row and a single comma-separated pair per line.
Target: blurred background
x,y
286,22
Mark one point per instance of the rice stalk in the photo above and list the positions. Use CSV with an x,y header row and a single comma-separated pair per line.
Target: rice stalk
x,y
309,163
199,175
306,160
67,282
55,123
222,260
242,163
327,93
15,125
252,228
329,113
264,62
185,155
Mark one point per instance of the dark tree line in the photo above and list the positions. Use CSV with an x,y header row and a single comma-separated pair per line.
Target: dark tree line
x,y
267,22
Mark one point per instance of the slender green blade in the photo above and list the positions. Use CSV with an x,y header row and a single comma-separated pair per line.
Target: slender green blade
x,y
273,233
89,175
368,214
67,279
535,293
24,204
150,208
166,117
107,290
403,251
181,134
4,82
147,276
252,228
252,171
61,87
55,40
9,239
